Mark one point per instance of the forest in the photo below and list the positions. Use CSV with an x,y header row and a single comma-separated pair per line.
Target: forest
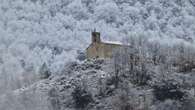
x,y
42,50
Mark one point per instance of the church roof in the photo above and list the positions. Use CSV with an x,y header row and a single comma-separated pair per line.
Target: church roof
x,y
110,43
113,42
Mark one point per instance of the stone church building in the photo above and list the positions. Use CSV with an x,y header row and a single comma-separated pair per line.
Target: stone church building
x,y
99,49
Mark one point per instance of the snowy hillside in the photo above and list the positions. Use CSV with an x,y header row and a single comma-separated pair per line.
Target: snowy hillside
x,y
91,85
50,33
56,91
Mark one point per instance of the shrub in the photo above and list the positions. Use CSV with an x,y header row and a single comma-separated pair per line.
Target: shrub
x,y
81,56
81,97
168,91
44,72
122,101
168,105
139,78
186,66
54,99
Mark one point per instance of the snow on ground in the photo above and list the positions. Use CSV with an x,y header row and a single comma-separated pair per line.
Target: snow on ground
x,y
52,32
34,32
55,93
91,75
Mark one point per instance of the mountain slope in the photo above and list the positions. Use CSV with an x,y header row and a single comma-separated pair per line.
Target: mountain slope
x,y
52,32
91,85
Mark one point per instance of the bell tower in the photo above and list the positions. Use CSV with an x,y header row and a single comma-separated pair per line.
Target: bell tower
x,y
96,37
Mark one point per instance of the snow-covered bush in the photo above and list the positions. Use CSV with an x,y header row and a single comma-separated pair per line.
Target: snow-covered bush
x,y
168,90
81,97
81,56
122,102
168,105
54,99
44,72
140,77
107,11
167,85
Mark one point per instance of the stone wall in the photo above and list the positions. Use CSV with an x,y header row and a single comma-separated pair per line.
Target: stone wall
x,y
101,50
